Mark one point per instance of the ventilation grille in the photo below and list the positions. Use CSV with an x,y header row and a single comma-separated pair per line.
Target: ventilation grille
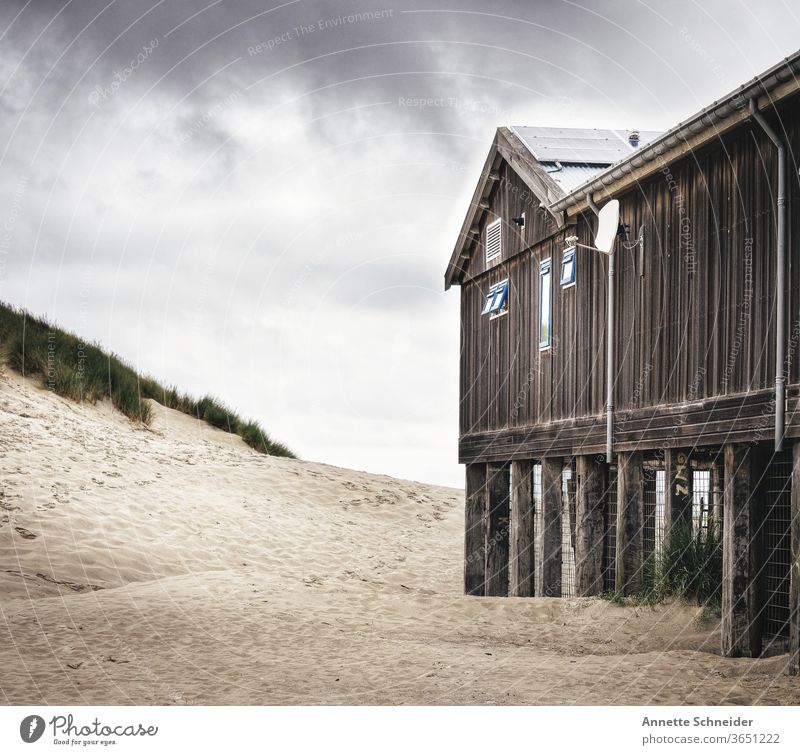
x,y
493,240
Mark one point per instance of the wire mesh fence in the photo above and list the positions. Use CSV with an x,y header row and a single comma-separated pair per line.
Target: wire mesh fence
x,y
649,509
660,529
610,536
701,500
568,479
776,545
538,525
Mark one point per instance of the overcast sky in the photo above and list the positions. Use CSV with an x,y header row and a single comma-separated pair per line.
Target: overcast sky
x,y
245,198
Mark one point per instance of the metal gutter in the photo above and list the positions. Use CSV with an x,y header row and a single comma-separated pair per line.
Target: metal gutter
x,y
735,102
780,279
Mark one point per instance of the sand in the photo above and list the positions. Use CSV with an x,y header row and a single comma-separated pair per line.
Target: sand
x,y
174,565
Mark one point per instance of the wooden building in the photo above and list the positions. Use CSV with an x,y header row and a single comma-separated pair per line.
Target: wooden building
x,y
704,414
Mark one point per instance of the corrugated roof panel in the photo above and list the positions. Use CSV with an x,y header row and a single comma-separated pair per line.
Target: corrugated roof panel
x,y
570,176
580,145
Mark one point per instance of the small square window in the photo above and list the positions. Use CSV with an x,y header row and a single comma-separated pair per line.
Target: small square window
x,y
495,304
568,268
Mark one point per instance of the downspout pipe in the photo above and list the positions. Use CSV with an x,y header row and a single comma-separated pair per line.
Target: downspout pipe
x,y
780,280
609,346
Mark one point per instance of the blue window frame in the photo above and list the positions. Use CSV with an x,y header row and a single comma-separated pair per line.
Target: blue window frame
x,y
568,267
495,303
545,304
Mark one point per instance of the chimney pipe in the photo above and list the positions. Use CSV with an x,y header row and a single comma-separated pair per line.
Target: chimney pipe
x,y
633,138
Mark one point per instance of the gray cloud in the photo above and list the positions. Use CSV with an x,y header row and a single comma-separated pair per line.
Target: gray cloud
x,y
260,203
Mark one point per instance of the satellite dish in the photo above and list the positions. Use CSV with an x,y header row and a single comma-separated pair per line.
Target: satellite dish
x,y
607,225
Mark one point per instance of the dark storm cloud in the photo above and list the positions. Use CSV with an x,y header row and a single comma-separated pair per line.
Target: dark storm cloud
x,y
260,201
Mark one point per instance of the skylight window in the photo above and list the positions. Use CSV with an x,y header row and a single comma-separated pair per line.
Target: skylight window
x,y
568,267
495,304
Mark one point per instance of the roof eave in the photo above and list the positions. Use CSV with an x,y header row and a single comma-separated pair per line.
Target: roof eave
x,y
775,84
505,146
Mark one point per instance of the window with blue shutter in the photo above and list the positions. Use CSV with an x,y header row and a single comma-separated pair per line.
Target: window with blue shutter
x,y
496,298
568,267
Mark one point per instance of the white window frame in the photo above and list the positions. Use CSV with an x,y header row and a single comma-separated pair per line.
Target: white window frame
x,y
546,271
491,227
572,252
491,306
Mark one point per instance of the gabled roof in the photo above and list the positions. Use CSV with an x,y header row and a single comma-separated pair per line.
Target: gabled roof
x,y
551,162
506,146
578,180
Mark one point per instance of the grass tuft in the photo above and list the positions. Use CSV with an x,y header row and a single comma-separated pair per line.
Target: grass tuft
x,y
33,346
689,567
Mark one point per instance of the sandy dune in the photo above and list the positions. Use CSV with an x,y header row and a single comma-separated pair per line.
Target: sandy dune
x,y
177,566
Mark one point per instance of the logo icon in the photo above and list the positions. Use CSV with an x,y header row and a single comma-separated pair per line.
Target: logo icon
x,y
31,728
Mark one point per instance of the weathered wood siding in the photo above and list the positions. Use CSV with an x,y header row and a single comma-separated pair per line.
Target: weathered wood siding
x,y
695,341
511,197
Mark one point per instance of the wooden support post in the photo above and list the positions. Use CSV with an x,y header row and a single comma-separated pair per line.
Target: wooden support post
x,y
677,488
794,575
629,522
521,550
740,629
474,530
498,486
717,492
589,526
550,565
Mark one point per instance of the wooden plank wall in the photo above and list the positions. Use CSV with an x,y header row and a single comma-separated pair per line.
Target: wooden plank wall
x,y
695,337
511,197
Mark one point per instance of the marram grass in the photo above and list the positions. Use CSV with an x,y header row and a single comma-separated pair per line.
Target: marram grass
x,y
82,371
689,567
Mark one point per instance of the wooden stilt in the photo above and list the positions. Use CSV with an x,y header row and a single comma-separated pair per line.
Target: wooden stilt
x,y
497,529
677,488
521,550
550,569
717,492
629,522
589,526
475,530
740,631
